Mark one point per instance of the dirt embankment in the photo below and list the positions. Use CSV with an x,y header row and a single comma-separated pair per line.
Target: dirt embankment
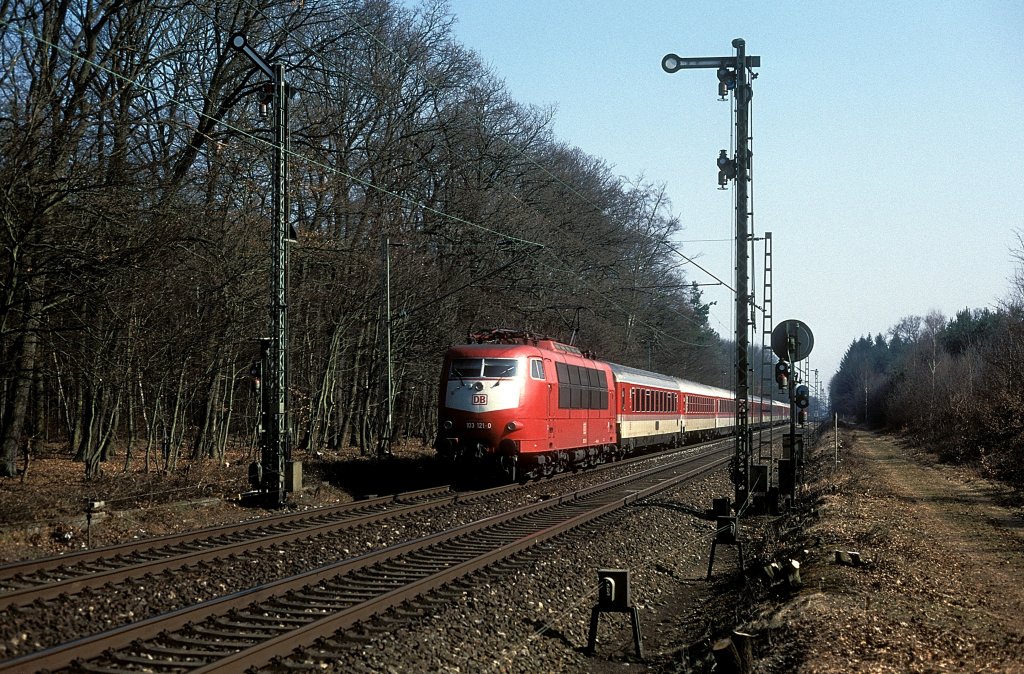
x,y
941,586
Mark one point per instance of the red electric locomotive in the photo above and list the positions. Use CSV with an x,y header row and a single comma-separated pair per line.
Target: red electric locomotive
x,y
531,404
534,406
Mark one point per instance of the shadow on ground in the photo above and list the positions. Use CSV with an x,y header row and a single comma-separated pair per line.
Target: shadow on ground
x,y
364,478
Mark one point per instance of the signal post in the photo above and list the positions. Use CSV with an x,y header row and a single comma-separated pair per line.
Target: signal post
x,y
792,342
733,75
269,475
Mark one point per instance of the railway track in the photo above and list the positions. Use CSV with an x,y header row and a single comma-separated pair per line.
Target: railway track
x,y
25,582
249,628
49,578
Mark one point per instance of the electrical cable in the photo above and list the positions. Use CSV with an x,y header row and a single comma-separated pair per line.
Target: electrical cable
x,y
563,266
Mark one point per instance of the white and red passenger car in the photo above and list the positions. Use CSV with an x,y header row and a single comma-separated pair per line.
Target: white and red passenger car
x,y
535,406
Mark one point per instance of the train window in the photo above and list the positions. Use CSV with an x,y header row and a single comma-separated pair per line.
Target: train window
x,y
465,367
581,388
500,367
536,368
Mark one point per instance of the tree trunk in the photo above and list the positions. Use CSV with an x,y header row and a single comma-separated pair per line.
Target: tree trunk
x,y
14,428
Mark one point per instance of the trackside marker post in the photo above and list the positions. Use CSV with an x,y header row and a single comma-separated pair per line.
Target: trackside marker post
x,y
613,596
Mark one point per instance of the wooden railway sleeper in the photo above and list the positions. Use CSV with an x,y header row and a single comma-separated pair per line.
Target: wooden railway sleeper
x,y
274,618
297,613
187,652
360,637
150,663
429,565
375,588
354,594
292,666
209,643
309,602
414,559
319,654
227,634
318,594
90,668
259,632
353,597
383,573
288,602
393,577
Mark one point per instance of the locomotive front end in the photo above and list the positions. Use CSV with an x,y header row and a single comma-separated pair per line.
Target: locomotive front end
x,y
483,406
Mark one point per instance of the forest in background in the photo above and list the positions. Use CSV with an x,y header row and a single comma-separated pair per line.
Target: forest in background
x,y
135,199
953,385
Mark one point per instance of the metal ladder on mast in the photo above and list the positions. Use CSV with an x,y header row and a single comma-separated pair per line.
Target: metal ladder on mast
x,y
765,435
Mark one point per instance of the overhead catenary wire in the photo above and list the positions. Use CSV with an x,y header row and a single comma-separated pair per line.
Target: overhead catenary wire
x,y
562,265
262,141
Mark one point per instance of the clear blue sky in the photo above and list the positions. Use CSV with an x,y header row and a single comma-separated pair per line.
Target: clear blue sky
x,y
887,139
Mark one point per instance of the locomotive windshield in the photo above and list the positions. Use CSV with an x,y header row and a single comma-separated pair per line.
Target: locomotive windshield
x,y
475,368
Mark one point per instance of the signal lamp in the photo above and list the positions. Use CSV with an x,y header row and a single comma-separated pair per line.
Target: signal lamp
x,y
726,169
265,96
671,63
726,81
802,393
782,374
513,426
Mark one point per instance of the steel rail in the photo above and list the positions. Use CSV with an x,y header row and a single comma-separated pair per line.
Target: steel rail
x,y
165,558
9,569
310,626
34,580
76,584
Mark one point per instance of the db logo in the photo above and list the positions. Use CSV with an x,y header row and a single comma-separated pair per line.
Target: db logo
x,y
479,398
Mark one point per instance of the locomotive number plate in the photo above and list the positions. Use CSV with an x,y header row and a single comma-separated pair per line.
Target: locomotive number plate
x,y
479,398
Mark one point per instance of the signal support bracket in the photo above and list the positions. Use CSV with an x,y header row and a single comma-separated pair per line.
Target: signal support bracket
x,y
727,531
614,597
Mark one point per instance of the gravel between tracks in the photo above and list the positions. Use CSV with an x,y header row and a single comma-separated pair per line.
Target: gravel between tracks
x,y
43,624
940,590
534,617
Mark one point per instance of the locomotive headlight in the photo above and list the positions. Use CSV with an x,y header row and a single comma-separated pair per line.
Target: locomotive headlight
x,y
447,424
513,426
